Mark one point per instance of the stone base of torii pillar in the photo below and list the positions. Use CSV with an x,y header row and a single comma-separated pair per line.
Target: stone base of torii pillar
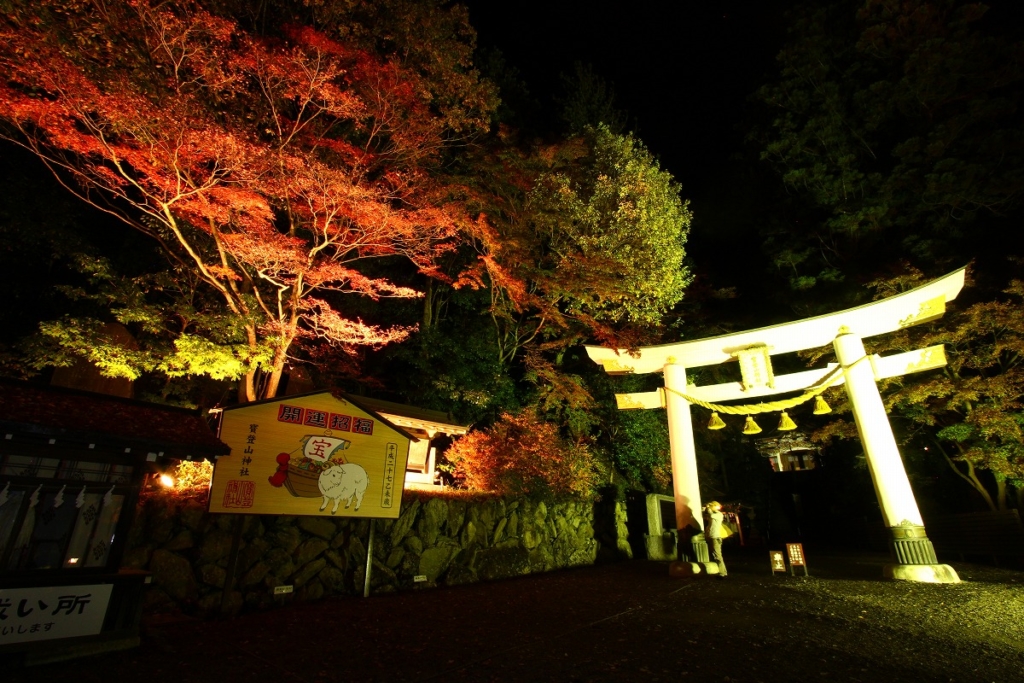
x,y
686,570
694,558
915,557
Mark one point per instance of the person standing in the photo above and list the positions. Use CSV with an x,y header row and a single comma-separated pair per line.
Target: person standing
x,y
713,533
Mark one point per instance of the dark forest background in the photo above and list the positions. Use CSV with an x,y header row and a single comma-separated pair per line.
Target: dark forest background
x,y
830,154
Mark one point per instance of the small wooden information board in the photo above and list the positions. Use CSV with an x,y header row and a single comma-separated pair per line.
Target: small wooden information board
x,y
778,561
795,551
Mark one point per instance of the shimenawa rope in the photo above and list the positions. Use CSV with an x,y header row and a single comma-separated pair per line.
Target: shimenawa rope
x,y
784,404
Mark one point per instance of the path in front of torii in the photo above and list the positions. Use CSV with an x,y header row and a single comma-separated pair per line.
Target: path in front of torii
x,y
618,622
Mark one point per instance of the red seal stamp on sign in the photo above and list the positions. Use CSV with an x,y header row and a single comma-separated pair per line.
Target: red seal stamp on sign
x,y
239,494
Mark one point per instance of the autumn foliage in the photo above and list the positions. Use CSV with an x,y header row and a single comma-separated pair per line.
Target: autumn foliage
x,y
522,454
270,166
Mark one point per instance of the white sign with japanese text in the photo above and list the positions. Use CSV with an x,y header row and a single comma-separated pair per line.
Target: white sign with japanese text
x,y
50,612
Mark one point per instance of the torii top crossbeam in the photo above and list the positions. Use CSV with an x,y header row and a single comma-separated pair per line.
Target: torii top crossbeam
x,y
913,307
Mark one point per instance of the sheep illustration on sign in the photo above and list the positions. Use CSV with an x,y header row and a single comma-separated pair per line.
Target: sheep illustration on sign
x,y
313,454
342,482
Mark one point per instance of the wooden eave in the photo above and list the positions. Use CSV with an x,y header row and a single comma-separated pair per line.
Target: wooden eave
x,y
412,417
36,419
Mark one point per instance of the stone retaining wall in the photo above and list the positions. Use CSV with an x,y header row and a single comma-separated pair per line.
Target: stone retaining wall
x,y
445,539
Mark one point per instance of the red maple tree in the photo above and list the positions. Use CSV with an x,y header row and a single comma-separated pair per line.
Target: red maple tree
x,y
523,454
269,166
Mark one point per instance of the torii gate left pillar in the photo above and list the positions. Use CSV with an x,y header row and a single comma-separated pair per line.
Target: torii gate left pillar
x,y
685,482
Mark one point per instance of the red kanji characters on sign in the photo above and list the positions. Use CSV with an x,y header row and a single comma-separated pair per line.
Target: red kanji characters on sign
x,y
389,474
316,449
315,418
340,423
291,414
363,425
239,494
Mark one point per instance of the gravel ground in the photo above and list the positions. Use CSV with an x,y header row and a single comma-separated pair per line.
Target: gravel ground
x,y
867,629
624,622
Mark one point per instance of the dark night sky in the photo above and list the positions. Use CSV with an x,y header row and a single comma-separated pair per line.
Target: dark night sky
x,y
682,70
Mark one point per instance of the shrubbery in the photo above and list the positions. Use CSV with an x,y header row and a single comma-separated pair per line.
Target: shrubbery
x,y
186,480
522,454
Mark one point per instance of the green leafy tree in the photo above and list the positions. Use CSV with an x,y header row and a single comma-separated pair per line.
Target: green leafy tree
x,y
578,240
588,101
581,238
610,228
897,130
41,228
636,441
898,124
972,413
575,240
178,330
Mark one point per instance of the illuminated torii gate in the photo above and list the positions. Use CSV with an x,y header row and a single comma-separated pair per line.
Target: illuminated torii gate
x,y
914,554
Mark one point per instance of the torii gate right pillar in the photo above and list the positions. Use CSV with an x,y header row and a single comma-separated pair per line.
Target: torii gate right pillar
x,y
913,552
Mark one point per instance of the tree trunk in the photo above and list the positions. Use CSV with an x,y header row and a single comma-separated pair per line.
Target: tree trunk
x,y
273,380
1000,490
971,478
428,305
247,388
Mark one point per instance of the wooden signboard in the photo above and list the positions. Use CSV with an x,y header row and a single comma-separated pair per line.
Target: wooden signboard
x,y
795,551
315,454
777,561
